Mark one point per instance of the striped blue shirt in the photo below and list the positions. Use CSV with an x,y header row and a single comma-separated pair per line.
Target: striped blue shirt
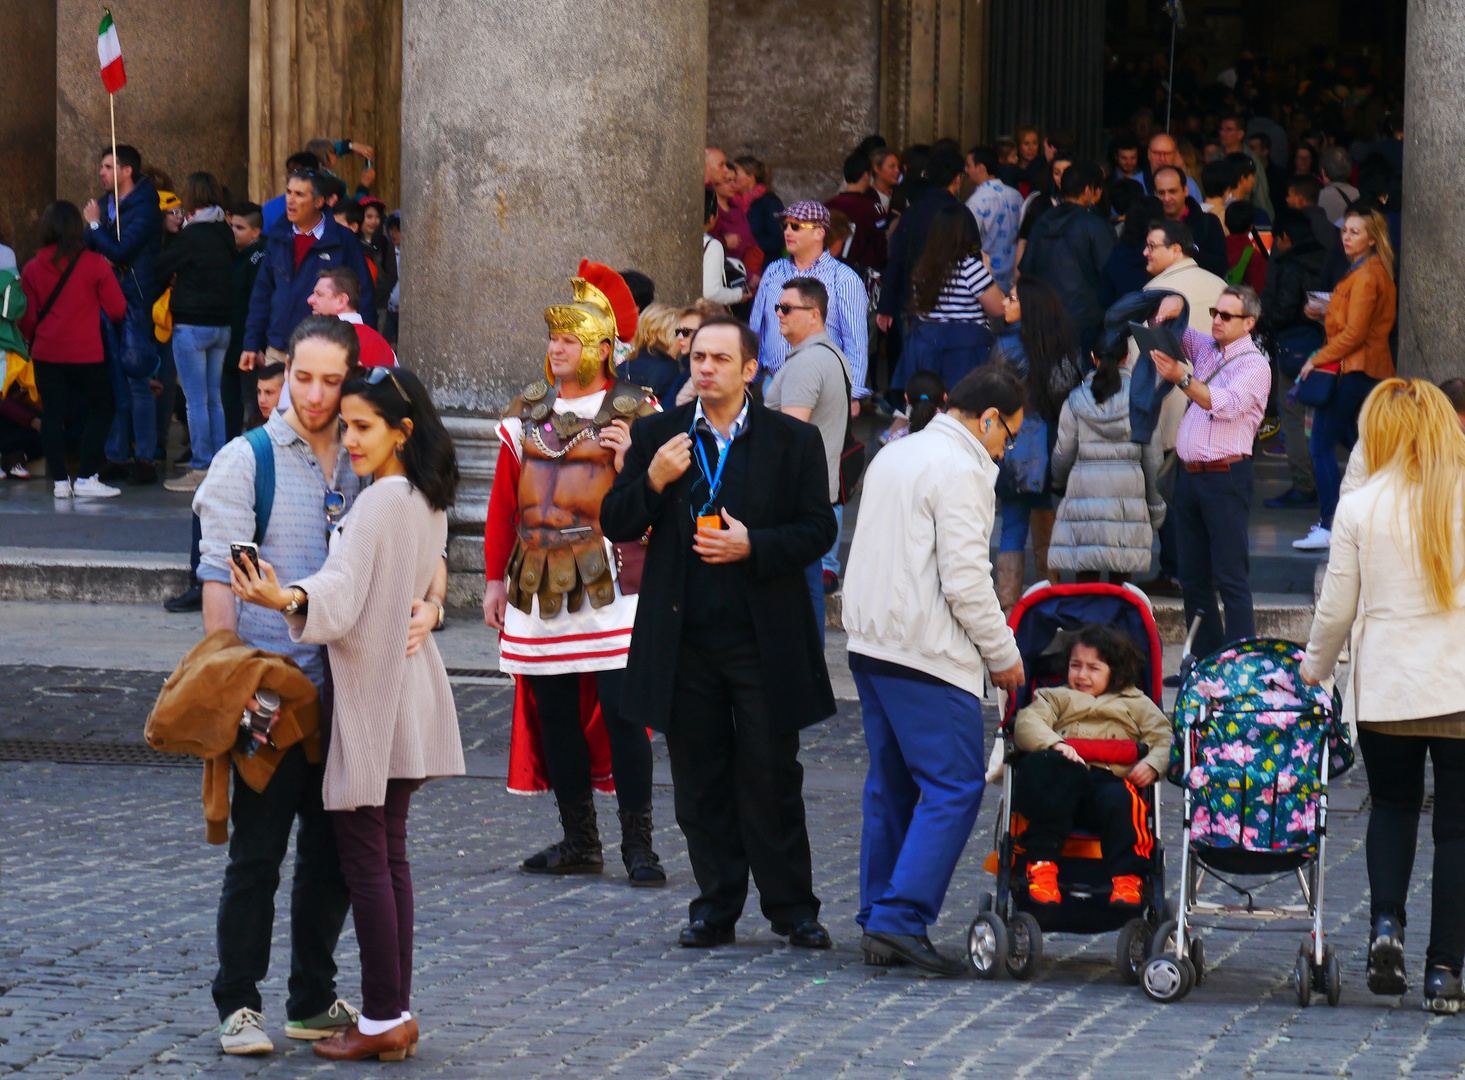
x,y
848,317
295,540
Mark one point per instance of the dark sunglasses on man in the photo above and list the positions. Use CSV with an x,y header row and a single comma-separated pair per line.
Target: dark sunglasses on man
x,y
1224,316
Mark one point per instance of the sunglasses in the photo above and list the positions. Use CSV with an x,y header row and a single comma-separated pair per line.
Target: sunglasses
x,y
784,309
796,226
686,331
1224,316
377,374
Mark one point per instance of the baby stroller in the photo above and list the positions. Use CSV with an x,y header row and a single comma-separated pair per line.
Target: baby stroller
x,y
1254,750
1007,934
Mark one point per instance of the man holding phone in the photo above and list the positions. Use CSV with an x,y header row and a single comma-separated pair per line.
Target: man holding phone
x,y
313,489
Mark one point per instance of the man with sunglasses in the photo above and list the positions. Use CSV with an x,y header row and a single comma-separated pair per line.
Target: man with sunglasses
x,y
313,489
805,225
1225,397
297,249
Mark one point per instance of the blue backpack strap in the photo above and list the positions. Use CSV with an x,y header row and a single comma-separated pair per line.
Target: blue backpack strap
x,y
264,479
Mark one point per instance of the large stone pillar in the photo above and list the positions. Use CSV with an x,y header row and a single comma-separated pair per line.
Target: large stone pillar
x,y
933,70
27,123
1431,316
535,133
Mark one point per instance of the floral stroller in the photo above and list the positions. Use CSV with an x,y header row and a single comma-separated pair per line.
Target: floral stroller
x,y
1254,750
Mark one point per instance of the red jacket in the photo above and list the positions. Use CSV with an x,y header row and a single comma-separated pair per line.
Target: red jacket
x,y
72,332
375,352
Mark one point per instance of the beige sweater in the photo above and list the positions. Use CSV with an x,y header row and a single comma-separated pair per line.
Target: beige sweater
x,y
1059,713
394,715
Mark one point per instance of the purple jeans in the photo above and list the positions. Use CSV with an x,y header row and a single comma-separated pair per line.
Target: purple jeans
x,y
372,841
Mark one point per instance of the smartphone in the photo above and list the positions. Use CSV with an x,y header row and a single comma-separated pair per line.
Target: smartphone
x,y
240,550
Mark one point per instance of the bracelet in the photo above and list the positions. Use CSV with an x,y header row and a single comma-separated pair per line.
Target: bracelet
x,y
442,611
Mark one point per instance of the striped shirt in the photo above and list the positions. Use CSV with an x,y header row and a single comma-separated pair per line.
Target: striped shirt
x,y
959,299
847,322
295,540
1239,393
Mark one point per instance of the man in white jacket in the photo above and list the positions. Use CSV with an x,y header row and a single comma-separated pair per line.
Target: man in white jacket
x,y
923,620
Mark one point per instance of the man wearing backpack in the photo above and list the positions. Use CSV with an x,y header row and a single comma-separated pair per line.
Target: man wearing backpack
x,y
285,486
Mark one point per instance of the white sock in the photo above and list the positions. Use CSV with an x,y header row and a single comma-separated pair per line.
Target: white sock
x,y
376,1027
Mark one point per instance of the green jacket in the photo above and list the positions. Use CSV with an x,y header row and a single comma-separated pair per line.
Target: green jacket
x,y
12,308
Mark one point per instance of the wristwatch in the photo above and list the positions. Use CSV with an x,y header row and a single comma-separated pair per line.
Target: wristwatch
x,y
1185,380
297,601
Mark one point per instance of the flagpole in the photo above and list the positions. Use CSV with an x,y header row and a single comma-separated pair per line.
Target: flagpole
x,y
116,200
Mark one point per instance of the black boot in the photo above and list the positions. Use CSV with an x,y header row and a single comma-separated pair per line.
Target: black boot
x,y
579,851
642,865
191,600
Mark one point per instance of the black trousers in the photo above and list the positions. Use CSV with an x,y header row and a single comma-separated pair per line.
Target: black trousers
x,y
567,754
68,388
1213,512
1057,796
1395,765
739,790
318,897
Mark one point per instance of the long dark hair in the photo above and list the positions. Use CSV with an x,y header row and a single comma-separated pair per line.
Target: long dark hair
x,y
1115,648
428,457
62,225
950,240
1136,227
1107,378
925,396
1050,342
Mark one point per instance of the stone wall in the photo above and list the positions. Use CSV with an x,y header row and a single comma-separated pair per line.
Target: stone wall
x,y
186,103
796,85
28,121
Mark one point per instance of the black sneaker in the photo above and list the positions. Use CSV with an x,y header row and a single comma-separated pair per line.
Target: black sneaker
x,y
1442,991
1162,585
142,472
1291,499
1386,958
192,600
113,471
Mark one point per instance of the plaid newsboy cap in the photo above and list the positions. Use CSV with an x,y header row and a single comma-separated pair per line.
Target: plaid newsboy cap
x,y
807,210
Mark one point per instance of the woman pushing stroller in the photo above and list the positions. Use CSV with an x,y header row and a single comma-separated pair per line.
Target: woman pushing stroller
x,y
1058,788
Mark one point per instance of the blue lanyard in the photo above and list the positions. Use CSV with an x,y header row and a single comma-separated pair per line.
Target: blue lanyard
x,y
714,480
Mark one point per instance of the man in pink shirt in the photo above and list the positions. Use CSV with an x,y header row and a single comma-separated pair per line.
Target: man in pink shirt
x,y
1227,389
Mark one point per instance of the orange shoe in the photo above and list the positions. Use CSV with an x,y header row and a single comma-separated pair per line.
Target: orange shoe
x,y
1043,882
1127,891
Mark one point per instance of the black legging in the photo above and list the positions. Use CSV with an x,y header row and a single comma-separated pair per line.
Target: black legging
x,y
1395,765
567,754
64,388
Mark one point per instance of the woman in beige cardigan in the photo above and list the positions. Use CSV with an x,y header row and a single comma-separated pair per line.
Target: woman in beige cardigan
x,y
1396,578
394,724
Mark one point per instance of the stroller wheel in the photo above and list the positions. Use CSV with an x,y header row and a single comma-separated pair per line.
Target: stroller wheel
x,y
1302,977
1132,950
1198,959
1164,940
987,902
1024,946
986,945
1165,978
1332,975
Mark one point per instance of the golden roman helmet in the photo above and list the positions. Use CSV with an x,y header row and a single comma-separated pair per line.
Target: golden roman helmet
x,y
601,308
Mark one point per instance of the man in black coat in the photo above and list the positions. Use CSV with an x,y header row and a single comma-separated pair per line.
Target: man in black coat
x,y
1210,237
1069,246
725,658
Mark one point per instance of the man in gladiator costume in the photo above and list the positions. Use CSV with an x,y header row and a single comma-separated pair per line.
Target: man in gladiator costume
x,y
563,598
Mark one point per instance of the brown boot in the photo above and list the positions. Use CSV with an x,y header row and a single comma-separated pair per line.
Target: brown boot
x,y
1040,528
351,1045
1009,579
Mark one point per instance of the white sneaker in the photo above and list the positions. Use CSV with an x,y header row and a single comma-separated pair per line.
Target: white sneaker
x,y
62,489
1317,539
189,481
93,488
18,471
244,1033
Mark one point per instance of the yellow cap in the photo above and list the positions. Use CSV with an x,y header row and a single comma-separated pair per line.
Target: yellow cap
x,y
168,201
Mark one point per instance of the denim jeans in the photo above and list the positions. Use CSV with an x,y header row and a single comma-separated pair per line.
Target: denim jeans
x,y
167,376
134,427
318,896
1334,423
950,349
831,557
1014,525
198,352
814,572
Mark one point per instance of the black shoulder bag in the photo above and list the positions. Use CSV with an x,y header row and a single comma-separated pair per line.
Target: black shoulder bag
x,y
852,454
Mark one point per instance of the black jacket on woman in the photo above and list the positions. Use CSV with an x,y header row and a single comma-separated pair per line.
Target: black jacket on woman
x,y
790,525
202,257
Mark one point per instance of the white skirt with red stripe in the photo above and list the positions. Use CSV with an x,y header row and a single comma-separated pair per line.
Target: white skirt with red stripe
x,y
591,639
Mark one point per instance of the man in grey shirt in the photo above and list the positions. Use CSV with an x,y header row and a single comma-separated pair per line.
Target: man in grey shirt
x,y
813,385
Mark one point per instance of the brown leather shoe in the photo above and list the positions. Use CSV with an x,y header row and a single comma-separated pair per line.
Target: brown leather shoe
x,y
411,1027
351,1045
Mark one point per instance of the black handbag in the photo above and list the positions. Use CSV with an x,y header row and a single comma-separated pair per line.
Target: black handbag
x,y
1318,388
851,455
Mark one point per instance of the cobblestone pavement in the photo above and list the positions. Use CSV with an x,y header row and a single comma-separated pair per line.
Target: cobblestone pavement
x,y
107,902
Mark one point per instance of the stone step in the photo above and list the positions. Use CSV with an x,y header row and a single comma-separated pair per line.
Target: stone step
x,y
89,576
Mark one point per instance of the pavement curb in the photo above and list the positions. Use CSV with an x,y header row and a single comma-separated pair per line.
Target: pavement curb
x,y
87,576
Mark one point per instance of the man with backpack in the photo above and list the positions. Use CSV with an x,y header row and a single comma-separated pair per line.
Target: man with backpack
x,y
285,486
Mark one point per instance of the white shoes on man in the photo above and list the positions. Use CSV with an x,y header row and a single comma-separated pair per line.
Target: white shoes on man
x,y
89,488
1317,539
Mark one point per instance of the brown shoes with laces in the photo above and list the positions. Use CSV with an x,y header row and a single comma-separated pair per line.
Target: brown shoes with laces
x,y
351,1045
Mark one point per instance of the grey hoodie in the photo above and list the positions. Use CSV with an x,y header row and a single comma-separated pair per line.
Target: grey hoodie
x,y
1107,518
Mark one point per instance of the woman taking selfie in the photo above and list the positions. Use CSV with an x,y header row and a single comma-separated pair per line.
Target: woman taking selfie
x,y
1396,572
1359,318
394,725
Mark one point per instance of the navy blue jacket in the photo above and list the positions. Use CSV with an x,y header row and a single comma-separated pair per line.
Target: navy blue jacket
x,y
134,254
1146,390
278,303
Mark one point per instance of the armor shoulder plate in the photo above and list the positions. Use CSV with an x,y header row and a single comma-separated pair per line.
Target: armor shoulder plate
x,y
627,401
535,403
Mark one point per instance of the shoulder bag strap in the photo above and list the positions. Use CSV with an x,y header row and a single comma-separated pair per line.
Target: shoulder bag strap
x,y
51,300
264,479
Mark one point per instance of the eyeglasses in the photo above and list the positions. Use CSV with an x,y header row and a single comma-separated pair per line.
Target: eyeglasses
x,y
796,226
1224,316
686,331
377,374
784,309
1011,440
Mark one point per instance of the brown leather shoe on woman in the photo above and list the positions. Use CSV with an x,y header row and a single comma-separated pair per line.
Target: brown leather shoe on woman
x,y
351,1045
411,1026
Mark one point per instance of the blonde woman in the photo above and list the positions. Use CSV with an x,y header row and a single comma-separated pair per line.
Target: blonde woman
x,y
1397,572
1359,318
653,361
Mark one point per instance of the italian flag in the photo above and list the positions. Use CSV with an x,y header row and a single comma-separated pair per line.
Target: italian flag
x,y
114,78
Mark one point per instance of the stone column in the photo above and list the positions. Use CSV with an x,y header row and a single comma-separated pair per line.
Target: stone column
x,y
1048,68
27,123
1431,316
535,133
933,70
